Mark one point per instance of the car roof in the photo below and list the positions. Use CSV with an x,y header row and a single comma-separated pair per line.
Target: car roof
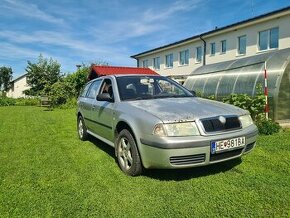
x,y
137,75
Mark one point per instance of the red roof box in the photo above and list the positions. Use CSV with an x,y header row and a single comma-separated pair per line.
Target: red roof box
x,y
97,71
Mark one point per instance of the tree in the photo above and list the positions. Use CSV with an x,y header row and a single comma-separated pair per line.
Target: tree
x,y
5,78
78,79
69,86
42,75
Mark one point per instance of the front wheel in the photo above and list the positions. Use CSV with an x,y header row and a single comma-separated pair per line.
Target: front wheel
x,y
82,129
127,154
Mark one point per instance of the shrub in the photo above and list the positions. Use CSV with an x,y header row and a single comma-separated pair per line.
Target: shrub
x,y
267,127
27,101
71,103
255,105
4,101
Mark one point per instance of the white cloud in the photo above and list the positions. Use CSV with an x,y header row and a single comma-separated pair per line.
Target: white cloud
x,y
65,49
30,10
142,23
178,6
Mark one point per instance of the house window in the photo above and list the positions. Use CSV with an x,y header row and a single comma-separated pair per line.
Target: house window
x,y
145,63
242,43
198,54
156,63
269,39
169,61
223,46
184,57
212,48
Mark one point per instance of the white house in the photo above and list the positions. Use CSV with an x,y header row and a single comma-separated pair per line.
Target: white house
x,y
18,85
247,38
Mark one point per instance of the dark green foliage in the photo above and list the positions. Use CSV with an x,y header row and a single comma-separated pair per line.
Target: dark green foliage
x,y
4,101
255,105
267,127
42,75
27,102
68,88
7,101
71,103
60,92
199,93
5,78
78,79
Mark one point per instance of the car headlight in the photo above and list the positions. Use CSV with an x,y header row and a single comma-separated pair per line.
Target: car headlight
x,y
246,120
176,129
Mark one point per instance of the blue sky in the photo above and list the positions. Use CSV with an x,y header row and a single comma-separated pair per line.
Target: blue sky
x,y
85,31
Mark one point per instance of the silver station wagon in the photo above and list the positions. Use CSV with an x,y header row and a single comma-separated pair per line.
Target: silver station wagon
x,y
153,122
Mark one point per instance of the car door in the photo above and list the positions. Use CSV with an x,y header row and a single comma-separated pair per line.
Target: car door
x,y
103,112
82,99
88,104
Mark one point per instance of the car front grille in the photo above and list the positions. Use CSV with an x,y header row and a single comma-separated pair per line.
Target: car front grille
x,y
215,124
225,155
187,160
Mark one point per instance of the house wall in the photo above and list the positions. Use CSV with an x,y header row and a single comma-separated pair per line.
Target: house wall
x,y
18,86
251,30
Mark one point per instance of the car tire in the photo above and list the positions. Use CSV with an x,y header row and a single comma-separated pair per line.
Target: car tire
x,y
127,154
82,129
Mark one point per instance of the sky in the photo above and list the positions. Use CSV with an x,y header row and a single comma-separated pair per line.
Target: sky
x,y
86,31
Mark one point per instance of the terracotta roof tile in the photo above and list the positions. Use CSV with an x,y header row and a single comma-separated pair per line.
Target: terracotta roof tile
x,y
97,71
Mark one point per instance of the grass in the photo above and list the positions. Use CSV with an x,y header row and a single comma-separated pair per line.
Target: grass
x,y
46,171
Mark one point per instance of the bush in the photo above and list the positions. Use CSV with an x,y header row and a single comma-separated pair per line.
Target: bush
x,y
60,93
19,101
255,105
268,127
71,103
4,101
27,101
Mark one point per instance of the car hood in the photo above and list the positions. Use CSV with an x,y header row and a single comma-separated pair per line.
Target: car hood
x,y
185,109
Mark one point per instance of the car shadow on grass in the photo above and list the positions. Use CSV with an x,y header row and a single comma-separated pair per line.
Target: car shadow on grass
x,y
175,174
102,146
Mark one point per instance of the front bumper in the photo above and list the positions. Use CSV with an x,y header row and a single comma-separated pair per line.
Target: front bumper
x,y
184,152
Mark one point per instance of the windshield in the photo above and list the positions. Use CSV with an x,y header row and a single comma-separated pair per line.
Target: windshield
x,y
150,87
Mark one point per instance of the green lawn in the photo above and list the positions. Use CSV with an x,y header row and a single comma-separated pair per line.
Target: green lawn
x,y
46,171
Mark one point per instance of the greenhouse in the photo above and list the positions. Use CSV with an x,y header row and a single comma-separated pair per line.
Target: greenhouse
x,y
244,76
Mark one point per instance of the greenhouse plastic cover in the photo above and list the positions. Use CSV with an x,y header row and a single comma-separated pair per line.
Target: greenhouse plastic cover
x,y
244,76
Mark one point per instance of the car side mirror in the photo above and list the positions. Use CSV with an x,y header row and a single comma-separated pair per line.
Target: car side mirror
x,y
105,97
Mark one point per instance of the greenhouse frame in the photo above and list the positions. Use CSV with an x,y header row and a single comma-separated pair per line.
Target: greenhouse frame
x,y
243,76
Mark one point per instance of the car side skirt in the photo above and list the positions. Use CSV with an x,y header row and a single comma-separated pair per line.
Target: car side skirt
x,y
101,138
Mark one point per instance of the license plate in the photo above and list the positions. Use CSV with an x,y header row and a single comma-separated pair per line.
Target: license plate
x,y
227,144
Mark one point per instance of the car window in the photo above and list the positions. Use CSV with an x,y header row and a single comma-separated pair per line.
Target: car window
x,y
94,89
85,90
166,87
148,87
107,88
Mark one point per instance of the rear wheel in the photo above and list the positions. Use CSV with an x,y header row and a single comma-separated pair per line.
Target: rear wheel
x,y
82,129
127,154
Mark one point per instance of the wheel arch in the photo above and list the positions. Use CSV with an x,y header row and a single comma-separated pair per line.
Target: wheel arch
x,y
125,125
